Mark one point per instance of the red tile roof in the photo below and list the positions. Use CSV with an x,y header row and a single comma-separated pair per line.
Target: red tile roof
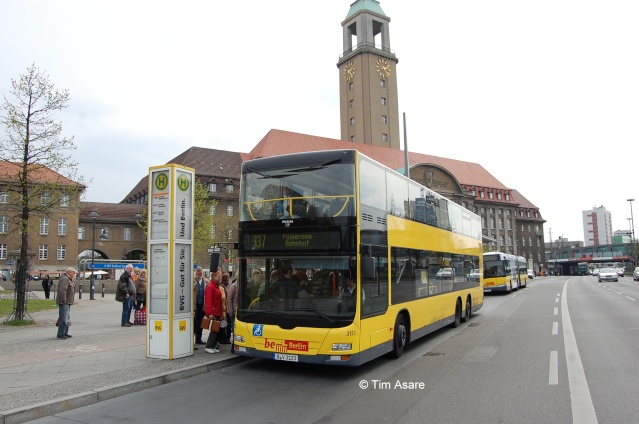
x,y
37,174
278,142
210,163
523,202
111,212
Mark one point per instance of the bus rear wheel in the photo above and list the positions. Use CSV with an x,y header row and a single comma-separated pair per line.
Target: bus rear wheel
x,y
458,315
399,338
469,309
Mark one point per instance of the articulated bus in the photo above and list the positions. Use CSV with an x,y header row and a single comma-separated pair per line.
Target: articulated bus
x,y
501,272
342,260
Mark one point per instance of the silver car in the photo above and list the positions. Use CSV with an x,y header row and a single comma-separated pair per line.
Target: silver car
x,y
608,274
475,275
635,274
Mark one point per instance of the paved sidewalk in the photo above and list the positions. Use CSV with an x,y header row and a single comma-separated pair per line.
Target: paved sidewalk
x,y
41,375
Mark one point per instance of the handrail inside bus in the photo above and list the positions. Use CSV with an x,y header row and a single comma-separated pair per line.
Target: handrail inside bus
x,y
289,200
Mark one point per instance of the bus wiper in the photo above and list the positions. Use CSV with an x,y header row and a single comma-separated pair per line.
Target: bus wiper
x,y
331,320
316,167
275,176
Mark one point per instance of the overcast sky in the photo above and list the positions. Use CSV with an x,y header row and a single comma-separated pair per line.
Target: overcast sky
x,y
543,94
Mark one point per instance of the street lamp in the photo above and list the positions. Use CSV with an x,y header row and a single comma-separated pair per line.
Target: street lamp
x,y
632,220
632,234
103,236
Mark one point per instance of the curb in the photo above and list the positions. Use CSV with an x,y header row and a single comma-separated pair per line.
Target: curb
x,y
45,409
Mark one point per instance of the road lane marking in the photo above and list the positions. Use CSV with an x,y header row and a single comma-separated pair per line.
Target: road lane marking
x,y
557,300
583,411
628,297
556,311
553,369
555,328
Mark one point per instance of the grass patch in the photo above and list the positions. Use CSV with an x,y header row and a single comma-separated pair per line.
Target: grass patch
x,y
33,305
16,323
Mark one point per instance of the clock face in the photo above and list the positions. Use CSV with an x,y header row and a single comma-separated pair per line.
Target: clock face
x,y
383,69
349,71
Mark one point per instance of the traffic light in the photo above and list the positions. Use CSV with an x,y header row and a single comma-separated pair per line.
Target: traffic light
x,y
215,259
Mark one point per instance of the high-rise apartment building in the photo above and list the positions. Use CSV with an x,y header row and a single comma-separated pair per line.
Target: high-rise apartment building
x,y
597,226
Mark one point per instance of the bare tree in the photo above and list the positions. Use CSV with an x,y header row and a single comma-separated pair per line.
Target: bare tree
x,y
37,171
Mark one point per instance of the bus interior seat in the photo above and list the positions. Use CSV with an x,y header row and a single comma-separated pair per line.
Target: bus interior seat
x,y
315,211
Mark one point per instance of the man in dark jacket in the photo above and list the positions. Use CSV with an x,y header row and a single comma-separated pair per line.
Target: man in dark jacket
x,y
66,295
199,284
125,293
47,282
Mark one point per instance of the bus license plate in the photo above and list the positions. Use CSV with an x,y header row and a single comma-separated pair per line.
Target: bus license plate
x,y
285,357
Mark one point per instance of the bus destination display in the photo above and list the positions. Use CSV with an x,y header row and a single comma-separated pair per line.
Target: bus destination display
x,y
297,241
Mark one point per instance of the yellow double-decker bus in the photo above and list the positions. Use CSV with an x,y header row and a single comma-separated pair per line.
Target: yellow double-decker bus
x,y
342,260
501,272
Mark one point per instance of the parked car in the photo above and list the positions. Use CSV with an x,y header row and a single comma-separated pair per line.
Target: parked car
x,y
595,272
475,275
608,274
446,274
635,274
531,274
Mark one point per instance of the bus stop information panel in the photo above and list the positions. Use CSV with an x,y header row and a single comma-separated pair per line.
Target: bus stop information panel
x,y
170,258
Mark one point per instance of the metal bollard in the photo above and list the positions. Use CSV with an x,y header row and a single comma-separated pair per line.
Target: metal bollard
x,y
103,289
92,290
80,291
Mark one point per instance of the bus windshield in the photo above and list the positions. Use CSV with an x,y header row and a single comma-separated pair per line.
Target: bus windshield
x,y
300,291
494,266
273,190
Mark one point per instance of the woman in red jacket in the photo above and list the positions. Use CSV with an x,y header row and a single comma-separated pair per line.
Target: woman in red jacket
x,y
213,309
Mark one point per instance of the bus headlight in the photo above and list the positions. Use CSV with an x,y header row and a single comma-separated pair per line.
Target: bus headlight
x,y
239,338
342,346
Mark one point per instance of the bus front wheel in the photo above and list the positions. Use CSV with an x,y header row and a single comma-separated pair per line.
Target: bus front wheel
x,y
469,308
399,339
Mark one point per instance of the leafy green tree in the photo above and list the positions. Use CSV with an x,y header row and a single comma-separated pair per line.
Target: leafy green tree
x,y
38,171
202,239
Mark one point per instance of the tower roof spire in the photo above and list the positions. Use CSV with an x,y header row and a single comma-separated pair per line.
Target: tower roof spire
x,y
365,5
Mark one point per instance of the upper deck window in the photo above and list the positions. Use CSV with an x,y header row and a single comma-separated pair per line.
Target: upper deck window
x,y
307,189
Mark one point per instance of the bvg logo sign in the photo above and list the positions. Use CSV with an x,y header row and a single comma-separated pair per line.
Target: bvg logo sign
x,y
183,182
286,345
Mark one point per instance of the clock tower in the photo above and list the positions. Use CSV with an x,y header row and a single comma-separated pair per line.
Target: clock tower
x,y
368,79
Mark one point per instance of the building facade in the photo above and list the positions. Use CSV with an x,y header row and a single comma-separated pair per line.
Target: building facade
x,y
53,220
115,230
